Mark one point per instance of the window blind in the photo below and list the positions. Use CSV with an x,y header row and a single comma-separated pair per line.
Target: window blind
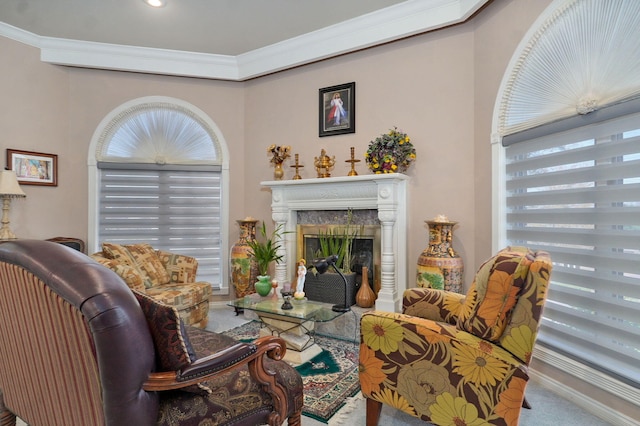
x,y
576,194
177,210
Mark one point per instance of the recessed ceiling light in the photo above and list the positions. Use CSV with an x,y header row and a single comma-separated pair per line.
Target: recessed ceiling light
x,y
156,3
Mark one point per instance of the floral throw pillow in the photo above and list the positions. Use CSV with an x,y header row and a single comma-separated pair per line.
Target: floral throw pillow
x,y
494,293
173,349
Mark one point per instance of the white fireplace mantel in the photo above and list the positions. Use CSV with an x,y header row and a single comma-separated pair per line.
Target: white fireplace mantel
x,y
386,193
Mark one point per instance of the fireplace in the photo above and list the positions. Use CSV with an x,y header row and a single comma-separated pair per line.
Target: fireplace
x,y
365,249
384,196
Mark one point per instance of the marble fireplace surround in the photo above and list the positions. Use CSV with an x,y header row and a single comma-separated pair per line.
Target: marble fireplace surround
x,y
385,193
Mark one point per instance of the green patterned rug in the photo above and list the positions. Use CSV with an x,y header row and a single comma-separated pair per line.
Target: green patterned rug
x,y
329,378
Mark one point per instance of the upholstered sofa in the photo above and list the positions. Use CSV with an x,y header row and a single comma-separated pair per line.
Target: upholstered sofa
x,y
79,348
167,277
458,359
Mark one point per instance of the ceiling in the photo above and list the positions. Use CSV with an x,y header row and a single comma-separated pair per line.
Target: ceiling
x,y
240,38
226,27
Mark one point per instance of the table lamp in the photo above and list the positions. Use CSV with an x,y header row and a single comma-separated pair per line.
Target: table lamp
x,y
9,188
322,265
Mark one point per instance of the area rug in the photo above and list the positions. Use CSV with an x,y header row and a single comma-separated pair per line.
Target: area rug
x,y
330,379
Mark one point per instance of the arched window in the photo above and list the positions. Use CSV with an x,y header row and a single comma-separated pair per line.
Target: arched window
x,y
158,174
566,147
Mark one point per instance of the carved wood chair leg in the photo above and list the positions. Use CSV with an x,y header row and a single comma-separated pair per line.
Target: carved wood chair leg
x,y
373,412
295,419
525,404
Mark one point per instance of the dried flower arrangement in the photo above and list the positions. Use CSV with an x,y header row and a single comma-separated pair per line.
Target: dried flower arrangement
x,y
279,153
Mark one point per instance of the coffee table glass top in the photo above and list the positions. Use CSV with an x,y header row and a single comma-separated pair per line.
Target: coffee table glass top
x,y
303,309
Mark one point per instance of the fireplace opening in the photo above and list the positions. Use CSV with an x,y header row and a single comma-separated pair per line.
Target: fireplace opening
x,y
365,249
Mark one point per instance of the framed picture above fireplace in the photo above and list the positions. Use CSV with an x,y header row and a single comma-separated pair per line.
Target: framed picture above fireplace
x,y
337,108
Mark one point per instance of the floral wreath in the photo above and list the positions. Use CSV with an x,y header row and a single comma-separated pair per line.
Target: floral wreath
x,y
390,152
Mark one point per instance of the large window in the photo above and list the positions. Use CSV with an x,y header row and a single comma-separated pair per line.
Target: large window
x,y
161,177
173,208
576,194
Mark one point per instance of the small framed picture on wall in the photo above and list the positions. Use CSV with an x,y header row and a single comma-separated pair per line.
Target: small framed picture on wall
x,y
33,168
338,109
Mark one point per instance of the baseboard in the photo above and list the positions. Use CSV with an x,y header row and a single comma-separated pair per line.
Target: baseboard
x,y
589,375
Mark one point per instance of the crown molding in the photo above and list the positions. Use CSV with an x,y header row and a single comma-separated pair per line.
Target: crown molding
x,y
392,23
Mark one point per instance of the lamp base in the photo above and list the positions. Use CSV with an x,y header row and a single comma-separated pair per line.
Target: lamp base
x,y
340,308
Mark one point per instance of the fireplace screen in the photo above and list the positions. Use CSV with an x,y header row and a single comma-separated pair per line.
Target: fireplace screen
x,y
365,249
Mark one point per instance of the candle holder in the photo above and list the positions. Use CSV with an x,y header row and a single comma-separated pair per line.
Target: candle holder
x,y
297,166
353,162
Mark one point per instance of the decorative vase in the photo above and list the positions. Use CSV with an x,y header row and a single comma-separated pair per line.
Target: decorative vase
x,y
278,172
243,269
439,266
263,285
366,297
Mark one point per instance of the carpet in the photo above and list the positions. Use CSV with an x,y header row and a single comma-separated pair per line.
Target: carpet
x,y
329,379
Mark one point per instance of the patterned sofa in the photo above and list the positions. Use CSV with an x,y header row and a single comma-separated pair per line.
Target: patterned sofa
x,y
456,359
166,277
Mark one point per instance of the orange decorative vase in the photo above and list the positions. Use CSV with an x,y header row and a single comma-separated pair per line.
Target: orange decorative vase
x,y
439,266
243,270
366,297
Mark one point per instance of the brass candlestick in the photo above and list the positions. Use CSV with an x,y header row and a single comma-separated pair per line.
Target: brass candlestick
x,y
353,162
324,164
297,166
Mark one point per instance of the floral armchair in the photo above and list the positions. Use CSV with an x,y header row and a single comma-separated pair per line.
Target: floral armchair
x,y
456,359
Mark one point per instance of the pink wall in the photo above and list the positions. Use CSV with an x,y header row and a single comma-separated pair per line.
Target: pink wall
x,y
421,85
439,87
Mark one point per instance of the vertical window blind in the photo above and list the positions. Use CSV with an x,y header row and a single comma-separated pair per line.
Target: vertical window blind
x,y
576,194
173,208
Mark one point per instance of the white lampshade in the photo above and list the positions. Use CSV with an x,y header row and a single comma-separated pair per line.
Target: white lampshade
x,y
9,186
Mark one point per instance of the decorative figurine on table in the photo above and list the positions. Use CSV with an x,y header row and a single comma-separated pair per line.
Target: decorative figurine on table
x,y
286,296
302,275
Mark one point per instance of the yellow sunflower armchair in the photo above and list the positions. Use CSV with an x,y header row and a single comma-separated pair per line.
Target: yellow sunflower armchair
x,y
454,359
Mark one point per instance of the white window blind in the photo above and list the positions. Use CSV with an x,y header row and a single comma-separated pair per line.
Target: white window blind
x,y
576,194
176,210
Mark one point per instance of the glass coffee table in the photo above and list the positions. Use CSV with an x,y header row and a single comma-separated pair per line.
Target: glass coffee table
x,y
295,326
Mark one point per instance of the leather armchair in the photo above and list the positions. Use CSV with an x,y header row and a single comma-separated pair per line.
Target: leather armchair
x,y
77,349
456,359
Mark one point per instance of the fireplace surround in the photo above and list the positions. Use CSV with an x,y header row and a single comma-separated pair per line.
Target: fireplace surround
x,y
384,193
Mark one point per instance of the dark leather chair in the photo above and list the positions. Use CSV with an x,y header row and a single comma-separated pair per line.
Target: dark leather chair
x,y
78,348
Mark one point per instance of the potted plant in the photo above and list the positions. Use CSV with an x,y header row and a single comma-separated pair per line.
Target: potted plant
x,y
264,250
340,243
